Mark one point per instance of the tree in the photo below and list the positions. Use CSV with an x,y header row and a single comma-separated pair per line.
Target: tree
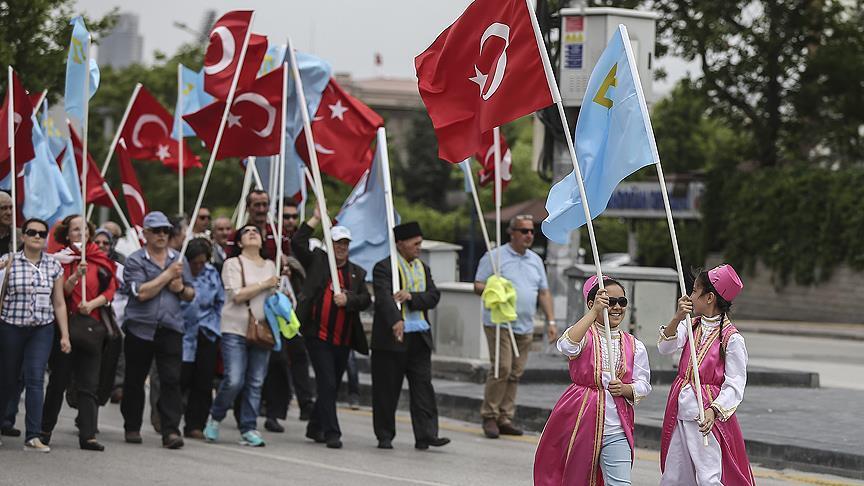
x,y
789,72
423,178
34,38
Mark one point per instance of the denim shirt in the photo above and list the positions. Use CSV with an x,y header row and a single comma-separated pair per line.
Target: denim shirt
x,y
163,310
203,314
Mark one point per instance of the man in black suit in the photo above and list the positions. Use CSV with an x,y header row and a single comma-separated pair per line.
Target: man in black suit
x,y
402,342
329,322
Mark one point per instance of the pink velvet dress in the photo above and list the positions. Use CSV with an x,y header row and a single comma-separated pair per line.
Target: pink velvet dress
x,y
569,448
735,464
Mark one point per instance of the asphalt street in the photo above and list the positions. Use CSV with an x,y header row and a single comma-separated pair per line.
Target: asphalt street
x,y
290,459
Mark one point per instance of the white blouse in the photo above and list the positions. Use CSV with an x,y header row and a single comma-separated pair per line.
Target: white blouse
x,y
735,374
641,372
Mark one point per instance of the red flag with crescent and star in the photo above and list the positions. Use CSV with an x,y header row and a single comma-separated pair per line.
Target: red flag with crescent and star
x,y
483,71
223,54
344,128
96,193
136,206
486,157
254,122
148,134
23,121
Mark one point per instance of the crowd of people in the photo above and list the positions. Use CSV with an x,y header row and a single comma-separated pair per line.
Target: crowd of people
x,y
221,327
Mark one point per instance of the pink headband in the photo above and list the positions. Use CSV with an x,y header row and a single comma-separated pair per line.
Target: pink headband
x,y
726,281
589,284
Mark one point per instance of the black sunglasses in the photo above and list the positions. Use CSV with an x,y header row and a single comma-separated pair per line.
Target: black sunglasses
x,y
161,231
613,301
526,231
33,232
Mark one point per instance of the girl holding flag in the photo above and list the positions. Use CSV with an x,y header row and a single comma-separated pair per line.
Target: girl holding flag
x,y
684,456
589,434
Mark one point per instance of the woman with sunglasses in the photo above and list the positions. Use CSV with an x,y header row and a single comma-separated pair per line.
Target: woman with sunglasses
x,y
85,320
722,364
589,434
32,302
249,279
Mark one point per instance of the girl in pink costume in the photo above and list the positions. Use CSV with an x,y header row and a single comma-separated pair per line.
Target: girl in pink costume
x,y
722,358
588,439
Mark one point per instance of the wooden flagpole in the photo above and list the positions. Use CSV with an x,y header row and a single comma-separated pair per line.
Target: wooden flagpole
x,y
228,102
316,171
556,98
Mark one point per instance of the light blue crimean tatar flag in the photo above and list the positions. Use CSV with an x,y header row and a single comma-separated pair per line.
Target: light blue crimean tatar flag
x,y
364,212
194,98
612,140
77,70
273,59
46,195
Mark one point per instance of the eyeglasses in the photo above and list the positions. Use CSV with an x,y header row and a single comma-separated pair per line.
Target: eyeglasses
x,y
525,231
32,233
290,216
160,231
613,301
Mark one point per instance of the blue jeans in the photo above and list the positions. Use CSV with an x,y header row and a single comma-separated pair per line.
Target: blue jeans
x,y
245,370
25,351
615,460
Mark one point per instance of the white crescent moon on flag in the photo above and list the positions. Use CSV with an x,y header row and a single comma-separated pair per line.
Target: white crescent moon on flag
x,y
261,101
228,48
502,31
130,191
139,124
323,150
506,161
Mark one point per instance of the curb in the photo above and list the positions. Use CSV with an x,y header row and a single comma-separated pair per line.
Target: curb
x,y
647,435
802,333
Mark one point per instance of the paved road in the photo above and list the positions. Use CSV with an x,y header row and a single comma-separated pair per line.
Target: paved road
x,y
839,362
290,459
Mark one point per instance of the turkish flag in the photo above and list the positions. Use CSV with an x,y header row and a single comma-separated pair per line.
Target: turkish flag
x,y
254,124
147,132
136,206
96,193
486,157
23,123
223,54
343,128
481,72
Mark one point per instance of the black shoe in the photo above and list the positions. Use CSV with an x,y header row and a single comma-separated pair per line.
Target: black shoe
x,y
334,443
306,412
45,437
172,441
90,445
436,442
10,432
273,425
385,444
318,437
133,437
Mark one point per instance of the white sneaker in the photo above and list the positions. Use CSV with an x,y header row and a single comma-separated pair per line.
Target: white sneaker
x,y
36,445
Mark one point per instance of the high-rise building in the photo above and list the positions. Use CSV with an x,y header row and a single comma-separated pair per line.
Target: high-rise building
x,y
124,45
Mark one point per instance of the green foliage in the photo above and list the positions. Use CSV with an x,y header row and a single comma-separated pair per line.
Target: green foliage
x,y
34,38
801,222
786,72
423,178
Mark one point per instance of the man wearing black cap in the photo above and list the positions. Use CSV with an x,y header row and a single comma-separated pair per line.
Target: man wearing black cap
x,y
402,342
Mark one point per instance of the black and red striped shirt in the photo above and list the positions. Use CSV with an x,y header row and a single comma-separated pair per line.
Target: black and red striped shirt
x,y
333,325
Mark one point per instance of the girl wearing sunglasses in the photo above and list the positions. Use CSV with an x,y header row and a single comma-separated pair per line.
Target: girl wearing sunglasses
x,y
722,358
589,433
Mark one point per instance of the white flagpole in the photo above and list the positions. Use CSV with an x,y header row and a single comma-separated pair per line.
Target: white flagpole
x,y
556,98
480,216
303,193
260,185
280,189
228,102
239,216
10,131
40,101
84,164
192,217
116,139
664,191
384,158
316,171
496,145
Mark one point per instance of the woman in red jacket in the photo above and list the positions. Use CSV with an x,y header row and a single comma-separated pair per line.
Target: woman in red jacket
x,y
88,334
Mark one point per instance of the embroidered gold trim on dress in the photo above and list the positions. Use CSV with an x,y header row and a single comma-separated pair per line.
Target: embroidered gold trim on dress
x,y
576,428
663,337
725,413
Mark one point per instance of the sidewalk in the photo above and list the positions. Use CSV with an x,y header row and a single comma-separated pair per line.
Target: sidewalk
x,y
810,329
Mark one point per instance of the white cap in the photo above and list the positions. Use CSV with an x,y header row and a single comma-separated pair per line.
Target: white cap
x,y
340,233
